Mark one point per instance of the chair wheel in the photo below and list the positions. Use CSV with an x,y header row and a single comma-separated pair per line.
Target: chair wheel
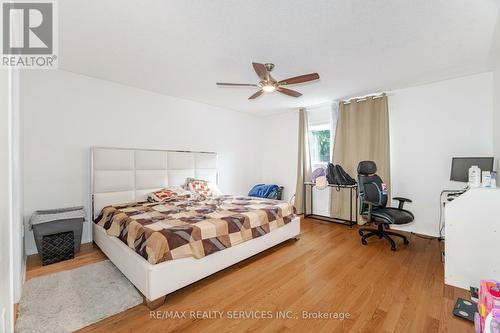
x,y
393,248
406,241
363,241
360,233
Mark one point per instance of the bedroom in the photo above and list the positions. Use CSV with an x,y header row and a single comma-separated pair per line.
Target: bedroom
x,y
139,85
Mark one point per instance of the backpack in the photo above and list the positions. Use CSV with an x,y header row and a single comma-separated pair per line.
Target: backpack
x,y
330,174
336,175
346,178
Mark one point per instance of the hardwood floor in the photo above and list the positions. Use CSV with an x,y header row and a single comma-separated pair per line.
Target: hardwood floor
x,y
89,253
327,270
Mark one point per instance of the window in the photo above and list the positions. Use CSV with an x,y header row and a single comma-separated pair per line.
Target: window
x,y
322,120
319,144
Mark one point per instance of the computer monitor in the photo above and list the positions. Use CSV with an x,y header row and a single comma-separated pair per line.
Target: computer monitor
x,y
460,167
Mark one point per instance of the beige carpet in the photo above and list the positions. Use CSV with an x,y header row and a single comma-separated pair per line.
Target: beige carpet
x,y
67,301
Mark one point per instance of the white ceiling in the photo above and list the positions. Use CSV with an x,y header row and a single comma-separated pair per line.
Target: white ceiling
x,y
181,48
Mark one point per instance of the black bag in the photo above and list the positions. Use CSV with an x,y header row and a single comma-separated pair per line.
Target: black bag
x,y
330,174
336,175
346,178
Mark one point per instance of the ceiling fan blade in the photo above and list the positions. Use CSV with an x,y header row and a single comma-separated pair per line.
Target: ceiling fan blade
x,y
261,70
257,94
289,92
237,84
300,79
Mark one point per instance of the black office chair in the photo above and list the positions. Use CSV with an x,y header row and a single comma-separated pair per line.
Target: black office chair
x,y
373,200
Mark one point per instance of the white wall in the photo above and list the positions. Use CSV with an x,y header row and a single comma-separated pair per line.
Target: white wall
x,y
6,251
429,125
496,114
64,114
279,151
19,257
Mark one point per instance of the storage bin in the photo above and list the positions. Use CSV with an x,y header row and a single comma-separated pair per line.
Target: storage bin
x,y
58,247
56,221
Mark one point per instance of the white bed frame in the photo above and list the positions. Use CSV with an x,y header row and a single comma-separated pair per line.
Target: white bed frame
x,y
120,175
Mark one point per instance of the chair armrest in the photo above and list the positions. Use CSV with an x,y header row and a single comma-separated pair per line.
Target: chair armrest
x,y
401,201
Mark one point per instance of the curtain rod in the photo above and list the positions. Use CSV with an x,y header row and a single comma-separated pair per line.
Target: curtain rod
x,y
347,101
365,97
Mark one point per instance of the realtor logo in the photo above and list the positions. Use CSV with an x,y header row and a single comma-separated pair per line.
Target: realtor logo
x,y
28,34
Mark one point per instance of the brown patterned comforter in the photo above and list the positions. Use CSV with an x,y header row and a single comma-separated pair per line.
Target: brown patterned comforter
x,y
192,227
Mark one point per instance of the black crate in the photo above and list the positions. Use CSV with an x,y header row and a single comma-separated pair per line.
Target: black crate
x,y
58,247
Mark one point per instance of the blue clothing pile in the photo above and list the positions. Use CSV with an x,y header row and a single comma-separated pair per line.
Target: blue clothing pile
x,y
264,191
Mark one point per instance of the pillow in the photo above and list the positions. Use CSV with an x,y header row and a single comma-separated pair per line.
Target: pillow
x,y
167,193
215,189
202,187
189,180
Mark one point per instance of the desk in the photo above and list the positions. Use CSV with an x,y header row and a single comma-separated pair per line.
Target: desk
x,y
353,190
446,197
472,241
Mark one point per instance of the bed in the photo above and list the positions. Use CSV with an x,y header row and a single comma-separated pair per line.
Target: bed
x,y
120,176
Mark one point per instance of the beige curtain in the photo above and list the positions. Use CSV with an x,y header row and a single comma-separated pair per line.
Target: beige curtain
x,y
362,134
304,162
334,116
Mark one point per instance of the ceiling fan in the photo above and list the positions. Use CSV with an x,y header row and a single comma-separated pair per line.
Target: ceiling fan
x,y
269,84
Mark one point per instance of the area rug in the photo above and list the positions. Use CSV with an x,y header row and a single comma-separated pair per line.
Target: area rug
x,y
69,300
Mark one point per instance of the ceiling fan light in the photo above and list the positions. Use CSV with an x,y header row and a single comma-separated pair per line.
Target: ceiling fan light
x,y
269,88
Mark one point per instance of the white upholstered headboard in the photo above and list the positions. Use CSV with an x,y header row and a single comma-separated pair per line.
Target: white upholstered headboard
x,y
121,175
